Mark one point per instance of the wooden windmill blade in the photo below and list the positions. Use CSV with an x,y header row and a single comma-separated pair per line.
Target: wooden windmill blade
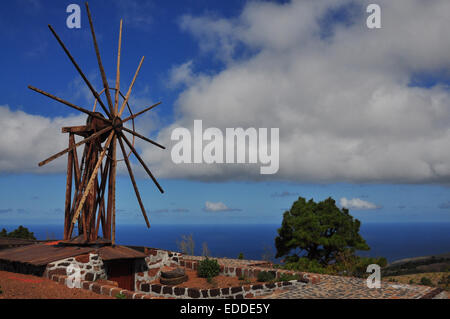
x,y
93,200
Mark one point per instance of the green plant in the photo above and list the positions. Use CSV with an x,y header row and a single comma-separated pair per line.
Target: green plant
x,y
4,233
265,276
288,277
411,282
444,282
241,256
20,232
426,281
244,279
318,231
208,268
307,265
120,296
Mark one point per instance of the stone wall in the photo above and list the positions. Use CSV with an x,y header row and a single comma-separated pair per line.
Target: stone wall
x,y
90,265
150,269
238,292
253,271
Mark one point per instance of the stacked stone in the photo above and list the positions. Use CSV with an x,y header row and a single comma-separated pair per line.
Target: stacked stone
x,y
252,272
238,292
150,269
90,265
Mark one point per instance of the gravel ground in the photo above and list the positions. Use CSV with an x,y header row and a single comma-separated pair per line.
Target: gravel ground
x,y
19,286
336,287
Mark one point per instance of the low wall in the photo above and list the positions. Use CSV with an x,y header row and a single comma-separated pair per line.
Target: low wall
x,y
238,292
149,269
90,265
253,271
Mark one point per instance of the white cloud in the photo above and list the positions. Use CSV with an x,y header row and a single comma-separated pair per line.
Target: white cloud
x,y
343,103
181,74
28,139
357,203
218,207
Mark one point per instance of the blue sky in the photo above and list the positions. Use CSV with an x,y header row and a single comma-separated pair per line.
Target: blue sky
x,y
383,151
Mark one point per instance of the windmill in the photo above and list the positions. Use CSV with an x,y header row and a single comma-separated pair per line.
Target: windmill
x,y
94,178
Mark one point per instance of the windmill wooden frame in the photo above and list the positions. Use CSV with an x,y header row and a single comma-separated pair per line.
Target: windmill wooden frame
x,y
94,177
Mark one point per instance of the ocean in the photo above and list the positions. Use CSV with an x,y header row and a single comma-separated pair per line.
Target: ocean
x,y
391,240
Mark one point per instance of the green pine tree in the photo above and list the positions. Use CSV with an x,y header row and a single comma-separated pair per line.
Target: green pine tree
x,y
319,231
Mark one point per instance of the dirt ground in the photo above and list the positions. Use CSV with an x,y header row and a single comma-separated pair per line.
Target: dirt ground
x,y
435,277
218,282
19,286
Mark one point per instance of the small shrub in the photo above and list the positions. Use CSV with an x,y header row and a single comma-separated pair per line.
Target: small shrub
x,y
241,256
426,281
411,282
120,296
208,268
288,277
265,276
444,282
244,279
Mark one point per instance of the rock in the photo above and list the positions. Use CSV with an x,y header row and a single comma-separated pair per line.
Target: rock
x,y
178,272
173,281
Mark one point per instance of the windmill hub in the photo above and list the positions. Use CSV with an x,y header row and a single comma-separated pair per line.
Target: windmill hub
x,y
117,124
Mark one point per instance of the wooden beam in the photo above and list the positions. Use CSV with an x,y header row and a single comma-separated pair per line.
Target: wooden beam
x,y
100,64
93,175
143,137
109,202
78,184
93,136
75,129
119,50
133,181
101,194
83,181
130,88
114,164
142,163
80,72
68,103
141,112
68,190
